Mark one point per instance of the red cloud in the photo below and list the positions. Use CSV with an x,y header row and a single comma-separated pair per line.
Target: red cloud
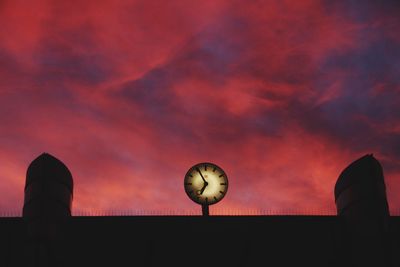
x,y
129,95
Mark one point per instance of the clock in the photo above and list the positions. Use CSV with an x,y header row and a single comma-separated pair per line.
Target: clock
x,y
206,183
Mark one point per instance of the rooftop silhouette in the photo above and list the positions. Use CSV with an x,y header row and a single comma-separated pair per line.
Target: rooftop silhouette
x,y
363,233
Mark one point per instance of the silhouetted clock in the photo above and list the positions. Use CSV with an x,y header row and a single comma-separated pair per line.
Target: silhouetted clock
x,y
206,184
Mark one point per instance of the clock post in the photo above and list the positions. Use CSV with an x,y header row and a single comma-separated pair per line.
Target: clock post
x,y
205,210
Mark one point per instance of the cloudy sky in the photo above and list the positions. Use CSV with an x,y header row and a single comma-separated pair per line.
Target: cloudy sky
x,y
282,95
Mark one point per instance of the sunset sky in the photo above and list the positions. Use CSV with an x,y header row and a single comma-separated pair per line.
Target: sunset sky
x,y
283,95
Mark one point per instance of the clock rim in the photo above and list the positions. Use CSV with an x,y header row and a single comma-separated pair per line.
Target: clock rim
x,y
206,163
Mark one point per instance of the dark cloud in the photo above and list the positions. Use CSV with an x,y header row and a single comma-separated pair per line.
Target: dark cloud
x,y
72,58
364,11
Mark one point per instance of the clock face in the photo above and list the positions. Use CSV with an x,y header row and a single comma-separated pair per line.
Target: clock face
x,y
206,183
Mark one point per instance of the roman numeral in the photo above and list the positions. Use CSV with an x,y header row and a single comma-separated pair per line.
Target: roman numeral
x,y
222,183
188,184
221,175
205,167
221,192
215,168
215,198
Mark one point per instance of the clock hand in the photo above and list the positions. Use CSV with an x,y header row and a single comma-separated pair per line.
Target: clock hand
x,y
197,169
205,182
204,187
200,192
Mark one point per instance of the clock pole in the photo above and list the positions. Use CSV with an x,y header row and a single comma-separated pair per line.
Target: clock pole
x,y
204,208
